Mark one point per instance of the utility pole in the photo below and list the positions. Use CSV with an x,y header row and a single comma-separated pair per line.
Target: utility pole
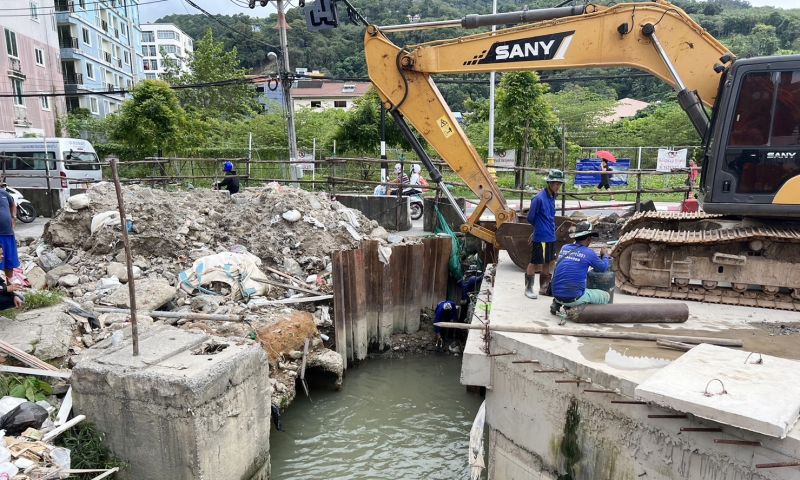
x,y
286,84
490,159
384,161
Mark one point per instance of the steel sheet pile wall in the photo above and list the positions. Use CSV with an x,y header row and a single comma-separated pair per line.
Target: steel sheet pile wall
x,y
373,300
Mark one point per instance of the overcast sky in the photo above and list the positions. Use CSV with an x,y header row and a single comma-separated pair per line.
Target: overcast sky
x,y
154,11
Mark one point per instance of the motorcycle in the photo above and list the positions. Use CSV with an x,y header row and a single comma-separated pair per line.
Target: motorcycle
x,y
26,213
417,206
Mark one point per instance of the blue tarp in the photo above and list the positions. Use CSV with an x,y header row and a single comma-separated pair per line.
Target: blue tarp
x,y
593,165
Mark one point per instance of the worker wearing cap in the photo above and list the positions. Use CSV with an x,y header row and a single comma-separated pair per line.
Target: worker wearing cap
x,y
446,311
542,216
574,261
231,181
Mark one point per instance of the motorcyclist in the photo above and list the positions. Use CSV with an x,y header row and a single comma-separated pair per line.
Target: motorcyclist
x,y
231,180
402,178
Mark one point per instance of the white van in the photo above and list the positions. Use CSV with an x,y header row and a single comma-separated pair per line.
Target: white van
x,y
73,166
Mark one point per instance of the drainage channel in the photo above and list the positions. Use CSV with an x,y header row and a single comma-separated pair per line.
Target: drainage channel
x,y
393,418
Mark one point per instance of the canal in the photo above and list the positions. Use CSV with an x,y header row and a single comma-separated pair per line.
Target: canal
x,y
393,418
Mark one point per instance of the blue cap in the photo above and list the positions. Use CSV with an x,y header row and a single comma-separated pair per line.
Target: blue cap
x,y
228,166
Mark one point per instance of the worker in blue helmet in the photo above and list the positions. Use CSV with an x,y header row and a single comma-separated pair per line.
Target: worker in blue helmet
x,y
231,180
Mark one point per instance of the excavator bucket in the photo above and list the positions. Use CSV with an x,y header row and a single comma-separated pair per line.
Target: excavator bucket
x,y
515,238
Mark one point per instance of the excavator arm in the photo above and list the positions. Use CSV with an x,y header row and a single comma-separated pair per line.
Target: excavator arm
x,y
655,37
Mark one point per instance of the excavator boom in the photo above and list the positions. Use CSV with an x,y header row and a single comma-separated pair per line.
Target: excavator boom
x,y
655,37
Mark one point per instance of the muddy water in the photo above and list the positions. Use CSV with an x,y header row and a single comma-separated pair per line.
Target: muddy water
x,y
394,418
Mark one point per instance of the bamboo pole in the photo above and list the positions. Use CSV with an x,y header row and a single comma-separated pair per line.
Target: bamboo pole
x,y
123,220
649,337
181,315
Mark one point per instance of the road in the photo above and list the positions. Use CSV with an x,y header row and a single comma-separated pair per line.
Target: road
x,y
33,229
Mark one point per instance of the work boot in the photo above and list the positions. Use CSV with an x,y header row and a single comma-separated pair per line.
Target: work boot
x,y
544,283
555,307
529,286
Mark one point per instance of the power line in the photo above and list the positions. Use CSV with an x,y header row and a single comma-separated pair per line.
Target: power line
x,y
122,91
46,14
227,26
104,2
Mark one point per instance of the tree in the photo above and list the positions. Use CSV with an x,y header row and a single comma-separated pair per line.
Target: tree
x,y
360,130
152,120
579,109
211,62
524,119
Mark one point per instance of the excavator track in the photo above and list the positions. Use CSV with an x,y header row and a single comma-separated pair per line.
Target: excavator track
x,y
661,263
666,220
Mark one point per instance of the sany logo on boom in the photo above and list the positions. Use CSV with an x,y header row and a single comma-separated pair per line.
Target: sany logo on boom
x,y
543,47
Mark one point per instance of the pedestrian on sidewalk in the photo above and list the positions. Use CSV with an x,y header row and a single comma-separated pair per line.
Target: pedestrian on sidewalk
x,y
542,216
231,180
8,242
605,178
571,272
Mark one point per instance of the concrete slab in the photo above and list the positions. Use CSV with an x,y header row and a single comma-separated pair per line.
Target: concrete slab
x,y
527,409
150,294
174,412
45,332
761,394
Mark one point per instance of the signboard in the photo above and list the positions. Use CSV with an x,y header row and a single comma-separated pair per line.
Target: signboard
x,y
670,159
618,177
321,15
305,160
506,158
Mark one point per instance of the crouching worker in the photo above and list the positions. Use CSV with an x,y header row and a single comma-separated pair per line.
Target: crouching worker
x,y
9,295
574,261
445,312
231,180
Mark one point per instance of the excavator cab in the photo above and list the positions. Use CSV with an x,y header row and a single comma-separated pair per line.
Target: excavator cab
x,y
752,167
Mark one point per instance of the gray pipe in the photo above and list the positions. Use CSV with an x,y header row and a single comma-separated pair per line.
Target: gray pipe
x,y
632,313
522,16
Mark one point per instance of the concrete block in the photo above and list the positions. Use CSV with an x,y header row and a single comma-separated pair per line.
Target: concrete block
x,y
761,397
430,219
174,412
385,210
44,332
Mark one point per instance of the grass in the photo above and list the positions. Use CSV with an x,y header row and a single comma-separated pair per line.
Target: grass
x,y
33,300
87,448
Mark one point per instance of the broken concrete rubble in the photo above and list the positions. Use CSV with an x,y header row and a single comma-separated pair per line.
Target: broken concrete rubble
x,y
45,333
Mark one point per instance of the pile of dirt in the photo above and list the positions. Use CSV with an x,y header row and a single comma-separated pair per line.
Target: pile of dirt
x,y
273,222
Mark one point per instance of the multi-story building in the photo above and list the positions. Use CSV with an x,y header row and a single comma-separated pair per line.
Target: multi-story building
x,y
160,40
324,95
29,64
101,52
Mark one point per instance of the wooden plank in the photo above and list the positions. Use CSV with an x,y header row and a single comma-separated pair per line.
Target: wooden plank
x,y
374,279
446,248
339,287
65,409
63,428
24,357
349,265
386,323
415,278
34,371
398,264
361,327
287,301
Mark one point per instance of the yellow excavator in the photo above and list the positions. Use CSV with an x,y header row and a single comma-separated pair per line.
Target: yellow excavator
x,y
744,248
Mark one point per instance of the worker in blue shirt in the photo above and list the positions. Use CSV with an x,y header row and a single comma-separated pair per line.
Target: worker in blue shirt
x,y
542,216
569,277
445,312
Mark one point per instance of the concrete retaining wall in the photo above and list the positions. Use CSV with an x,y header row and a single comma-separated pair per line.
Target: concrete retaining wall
x,y
385,210
430,219
529,434
173,414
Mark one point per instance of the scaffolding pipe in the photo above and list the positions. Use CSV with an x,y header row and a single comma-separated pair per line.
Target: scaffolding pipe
x,y
648,337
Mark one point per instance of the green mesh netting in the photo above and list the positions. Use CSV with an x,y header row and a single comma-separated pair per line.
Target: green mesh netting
x,y
455,253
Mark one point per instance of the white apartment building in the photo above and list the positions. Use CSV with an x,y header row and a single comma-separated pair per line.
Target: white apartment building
x,y
160,39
